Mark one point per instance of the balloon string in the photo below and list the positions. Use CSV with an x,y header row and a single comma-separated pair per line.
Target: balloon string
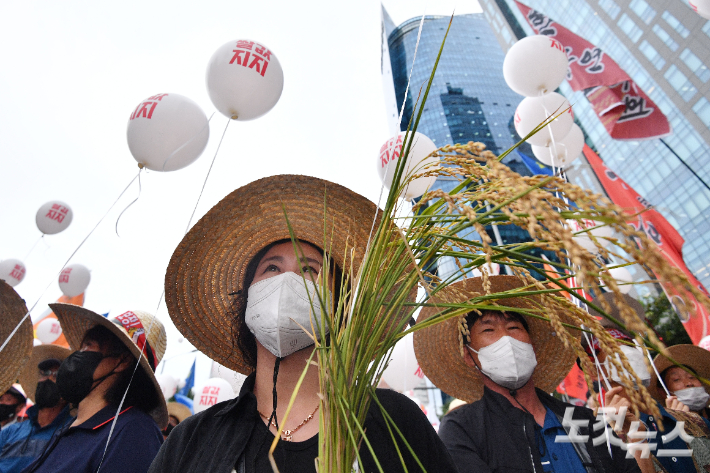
x,y
165,163
140,188
17,327
33,247
207,177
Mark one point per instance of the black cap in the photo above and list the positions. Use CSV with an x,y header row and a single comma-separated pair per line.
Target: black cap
x,y
49,363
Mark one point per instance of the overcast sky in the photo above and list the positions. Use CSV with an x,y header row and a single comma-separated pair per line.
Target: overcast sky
x,y
73,71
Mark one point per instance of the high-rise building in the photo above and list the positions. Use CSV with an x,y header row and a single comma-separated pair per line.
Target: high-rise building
x,y
469,99
665,49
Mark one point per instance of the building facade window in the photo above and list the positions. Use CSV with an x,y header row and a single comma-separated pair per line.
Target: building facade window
x,y
652,55
680,83
665,37
643,10
675,24
695,64
702,110
610,7
628,26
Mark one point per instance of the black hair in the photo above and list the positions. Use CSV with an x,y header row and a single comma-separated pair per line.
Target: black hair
x,y
473,317
141,391
241,335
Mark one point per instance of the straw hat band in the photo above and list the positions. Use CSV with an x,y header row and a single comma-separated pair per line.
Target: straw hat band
x,y
211,261
137,333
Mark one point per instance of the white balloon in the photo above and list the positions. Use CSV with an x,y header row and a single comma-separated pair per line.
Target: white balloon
x,y
622,275
492,269
244,79
48,331
36,342
211,392
417,158
53,217
403,372
12,271
701,7
167,132
168,384
532,111
232,377
705,342
598,229
561,153
535,65
74,279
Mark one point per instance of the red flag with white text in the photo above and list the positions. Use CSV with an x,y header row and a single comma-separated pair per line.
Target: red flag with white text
x,y
624,109
666,238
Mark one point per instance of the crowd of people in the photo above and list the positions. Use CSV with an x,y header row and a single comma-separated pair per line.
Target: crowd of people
x,y
244,294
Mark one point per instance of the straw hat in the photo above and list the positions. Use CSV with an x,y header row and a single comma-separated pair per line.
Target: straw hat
x,y
17,351
77,320
211,260
694,357
438,352
30,374
614,310
179,411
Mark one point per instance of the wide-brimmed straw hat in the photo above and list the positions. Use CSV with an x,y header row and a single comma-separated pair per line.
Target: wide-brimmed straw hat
x,y
133,328
211,260
438,348
18,349
692,356
179,411
30,372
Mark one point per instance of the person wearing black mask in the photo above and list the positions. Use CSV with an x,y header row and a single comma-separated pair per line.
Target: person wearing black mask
x,y
11,403
111,381
22,443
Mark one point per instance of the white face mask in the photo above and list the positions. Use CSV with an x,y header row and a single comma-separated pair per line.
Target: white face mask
x,y
507,362
277,306
637,362
695,398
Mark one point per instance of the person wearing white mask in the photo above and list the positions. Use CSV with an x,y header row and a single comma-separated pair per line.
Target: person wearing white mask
x,y
505,364
245,294
671,405
682,381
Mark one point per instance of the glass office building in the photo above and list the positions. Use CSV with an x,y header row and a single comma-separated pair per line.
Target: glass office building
x,y
469,99
665,48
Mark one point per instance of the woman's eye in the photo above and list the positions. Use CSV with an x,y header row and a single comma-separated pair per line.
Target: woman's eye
x,y
271,267
310,269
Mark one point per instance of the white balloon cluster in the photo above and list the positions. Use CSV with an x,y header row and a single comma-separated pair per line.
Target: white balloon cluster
x,y
534,67
417,158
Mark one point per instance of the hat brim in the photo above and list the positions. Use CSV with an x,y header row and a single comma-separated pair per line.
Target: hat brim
x,y
437,347
179,411
211,260
692,356
30,373
17,351
77,320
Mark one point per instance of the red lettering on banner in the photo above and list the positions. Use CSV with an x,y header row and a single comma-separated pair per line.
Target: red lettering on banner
x,y
242,55
129,319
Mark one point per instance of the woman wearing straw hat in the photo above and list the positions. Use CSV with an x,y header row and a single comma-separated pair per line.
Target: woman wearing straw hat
x,y
22,443
241,292
682,381
15,354
506,370
110,378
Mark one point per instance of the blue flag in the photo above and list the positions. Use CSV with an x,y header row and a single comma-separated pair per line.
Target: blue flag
x,y
535,166
189,381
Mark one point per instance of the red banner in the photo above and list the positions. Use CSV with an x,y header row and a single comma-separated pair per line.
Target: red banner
x,y
574,385
667,239
623,108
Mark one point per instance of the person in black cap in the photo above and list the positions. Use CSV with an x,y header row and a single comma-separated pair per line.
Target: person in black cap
x,y
11,403
22,443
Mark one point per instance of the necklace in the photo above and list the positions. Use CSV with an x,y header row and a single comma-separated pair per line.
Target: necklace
x,y
287,434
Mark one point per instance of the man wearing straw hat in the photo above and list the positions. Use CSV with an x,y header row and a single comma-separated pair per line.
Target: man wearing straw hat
x,y
22,443
15,353
110,379
505,363
239,292
177,413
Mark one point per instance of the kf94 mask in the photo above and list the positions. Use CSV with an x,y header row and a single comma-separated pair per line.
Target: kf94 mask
x,y
507,362
279,309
